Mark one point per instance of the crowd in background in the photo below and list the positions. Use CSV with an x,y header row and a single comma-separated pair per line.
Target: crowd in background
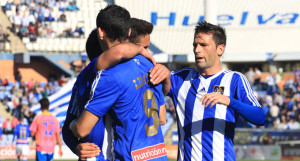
x,y
19,97
279,98
33,18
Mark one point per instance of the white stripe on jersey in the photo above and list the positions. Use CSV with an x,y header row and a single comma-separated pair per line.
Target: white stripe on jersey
x,y
248,90
220,121
95,83
182,94
197,125
107,147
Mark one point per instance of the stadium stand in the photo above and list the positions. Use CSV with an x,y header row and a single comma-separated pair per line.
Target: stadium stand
x,y
65,31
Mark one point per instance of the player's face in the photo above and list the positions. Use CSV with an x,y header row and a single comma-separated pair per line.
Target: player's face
x,y
144,41
205,51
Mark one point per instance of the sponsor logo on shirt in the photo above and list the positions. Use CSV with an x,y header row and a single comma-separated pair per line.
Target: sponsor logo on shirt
x,y
202,90
149,152
219,89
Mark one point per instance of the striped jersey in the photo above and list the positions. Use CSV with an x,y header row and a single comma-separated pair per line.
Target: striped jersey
x,y
101,134
45,126
124,92
207,133
22,133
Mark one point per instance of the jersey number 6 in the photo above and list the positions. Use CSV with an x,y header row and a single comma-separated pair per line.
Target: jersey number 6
x,y
152,111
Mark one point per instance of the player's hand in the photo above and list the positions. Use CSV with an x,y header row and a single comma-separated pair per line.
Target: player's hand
x,y
60,152
214,98
148,55
158,73
87,150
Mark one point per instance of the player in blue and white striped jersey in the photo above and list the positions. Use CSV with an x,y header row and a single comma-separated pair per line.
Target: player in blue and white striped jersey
x,y
208,100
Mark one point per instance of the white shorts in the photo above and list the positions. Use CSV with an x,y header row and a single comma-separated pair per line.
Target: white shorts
x,y
22,149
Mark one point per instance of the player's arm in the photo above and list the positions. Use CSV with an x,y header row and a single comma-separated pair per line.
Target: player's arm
x,y
59,143
84,125
159,73
162,115
115,54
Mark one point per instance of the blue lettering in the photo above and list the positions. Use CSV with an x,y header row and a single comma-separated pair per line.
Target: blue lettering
x,y
261,21
171,18
288,18
244,18
185,21
225,20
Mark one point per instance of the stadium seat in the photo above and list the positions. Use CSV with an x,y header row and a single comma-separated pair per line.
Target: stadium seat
x,y
36,47
7,46
25,40
49,48
42,46
29,46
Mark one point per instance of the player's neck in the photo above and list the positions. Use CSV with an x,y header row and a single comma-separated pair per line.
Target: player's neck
x,y
210,71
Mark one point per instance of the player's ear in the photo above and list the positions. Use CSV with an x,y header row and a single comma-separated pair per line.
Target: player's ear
x,y
101,33
220,49
129,32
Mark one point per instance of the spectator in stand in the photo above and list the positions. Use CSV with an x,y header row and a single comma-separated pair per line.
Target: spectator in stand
x,y
23,32
6,125
47,13
250,76
297,75
32,31
25,20
18,77
257,76
62,17
32,7
17,21
62,5
292,124
283,123
31,18
52,3
78,32
71,7
270,81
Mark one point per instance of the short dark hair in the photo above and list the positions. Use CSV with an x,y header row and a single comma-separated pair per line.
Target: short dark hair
x,y
115,21
44,103
218,32
92,46
139,28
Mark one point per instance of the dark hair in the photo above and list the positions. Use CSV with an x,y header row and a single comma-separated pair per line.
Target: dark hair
x,y
115,21
139,28
218,32
92,46
44,103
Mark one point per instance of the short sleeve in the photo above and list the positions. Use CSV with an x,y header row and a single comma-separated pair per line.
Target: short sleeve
x,y
161,100
105,92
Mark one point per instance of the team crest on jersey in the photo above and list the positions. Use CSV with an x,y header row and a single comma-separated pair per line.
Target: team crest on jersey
x,y
137,61
219,89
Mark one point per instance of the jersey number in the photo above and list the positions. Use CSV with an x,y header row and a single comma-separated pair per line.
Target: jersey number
x,y
49,132
152,111
22,133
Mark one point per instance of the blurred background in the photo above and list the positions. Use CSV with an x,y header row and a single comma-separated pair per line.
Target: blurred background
x,y
42,50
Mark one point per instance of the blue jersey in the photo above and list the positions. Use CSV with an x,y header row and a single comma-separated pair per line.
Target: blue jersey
x,y
207,133
22,133
134,105
80,96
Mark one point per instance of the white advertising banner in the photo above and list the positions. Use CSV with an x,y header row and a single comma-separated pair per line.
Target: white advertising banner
x,y
257,152
253,26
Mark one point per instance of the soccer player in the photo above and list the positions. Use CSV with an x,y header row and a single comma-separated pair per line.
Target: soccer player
x,y
21,132
140,34
45,128
124,91
208,100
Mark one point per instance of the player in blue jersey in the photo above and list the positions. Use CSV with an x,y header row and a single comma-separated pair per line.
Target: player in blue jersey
x,y
133,103
208,100
139,36
21,134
